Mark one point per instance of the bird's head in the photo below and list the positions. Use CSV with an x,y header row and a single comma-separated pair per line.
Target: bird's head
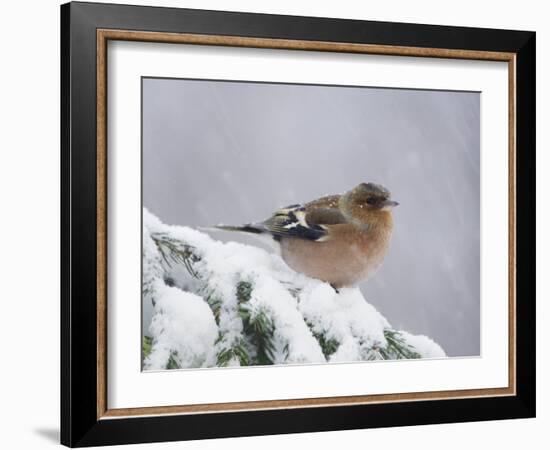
x,y
367,202
372,196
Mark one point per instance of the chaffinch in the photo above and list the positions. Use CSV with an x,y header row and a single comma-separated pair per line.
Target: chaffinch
x,y
340,239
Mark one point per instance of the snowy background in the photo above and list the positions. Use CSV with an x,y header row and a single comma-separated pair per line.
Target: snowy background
x,y
233,152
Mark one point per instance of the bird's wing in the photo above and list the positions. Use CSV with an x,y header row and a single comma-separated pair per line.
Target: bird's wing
x,y
305,221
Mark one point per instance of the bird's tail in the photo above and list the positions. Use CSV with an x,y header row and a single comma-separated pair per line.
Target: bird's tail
x,y
248,228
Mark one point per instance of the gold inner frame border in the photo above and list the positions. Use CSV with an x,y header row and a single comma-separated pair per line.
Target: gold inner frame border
x,y
104,35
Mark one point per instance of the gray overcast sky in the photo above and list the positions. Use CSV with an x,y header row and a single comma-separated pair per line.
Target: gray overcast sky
x,y
233,152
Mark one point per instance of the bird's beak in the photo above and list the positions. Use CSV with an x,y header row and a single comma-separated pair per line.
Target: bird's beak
x,y
388,205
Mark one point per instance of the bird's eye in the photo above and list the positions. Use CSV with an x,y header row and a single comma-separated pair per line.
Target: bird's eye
x,y
372,200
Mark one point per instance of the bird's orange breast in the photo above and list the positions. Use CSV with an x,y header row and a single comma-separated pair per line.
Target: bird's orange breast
x,y
351,254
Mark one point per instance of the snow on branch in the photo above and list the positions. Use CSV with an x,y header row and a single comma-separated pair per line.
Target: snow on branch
x,y
229,304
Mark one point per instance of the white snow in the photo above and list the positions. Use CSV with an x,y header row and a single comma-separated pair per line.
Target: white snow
x,y
184,327
424,345
346,317
184,324
270,294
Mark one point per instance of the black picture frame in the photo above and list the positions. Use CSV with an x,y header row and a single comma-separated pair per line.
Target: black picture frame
x,y
80,425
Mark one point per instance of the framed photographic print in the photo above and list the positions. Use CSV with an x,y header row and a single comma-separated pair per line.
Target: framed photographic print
x,y
276,224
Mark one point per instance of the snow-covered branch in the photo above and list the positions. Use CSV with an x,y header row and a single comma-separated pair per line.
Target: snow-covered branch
x,y
230,304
